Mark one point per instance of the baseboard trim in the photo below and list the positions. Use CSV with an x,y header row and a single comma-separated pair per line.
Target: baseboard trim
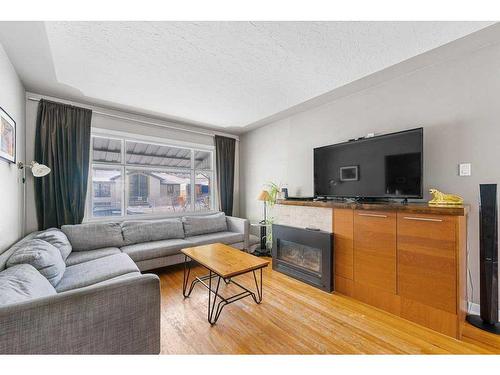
x,y
475,309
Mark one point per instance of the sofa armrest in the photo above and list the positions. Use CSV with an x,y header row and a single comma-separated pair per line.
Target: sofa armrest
x,y
120,317
238,225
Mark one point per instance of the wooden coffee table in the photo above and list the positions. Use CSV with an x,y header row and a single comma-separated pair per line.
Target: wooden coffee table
x,y
223,263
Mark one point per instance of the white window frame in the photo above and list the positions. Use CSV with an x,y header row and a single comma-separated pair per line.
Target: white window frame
x,y
123,137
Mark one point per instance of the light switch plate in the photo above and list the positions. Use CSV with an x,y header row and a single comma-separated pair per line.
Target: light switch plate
x,y
464,169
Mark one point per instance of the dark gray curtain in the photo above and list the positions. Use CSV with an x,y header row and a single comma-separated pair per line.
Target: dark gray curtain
x,y
224,156
63,144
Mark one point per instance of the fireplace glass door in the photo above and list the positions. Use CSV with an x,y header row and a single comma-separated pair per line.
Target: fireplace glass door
x,y
304,254
299,255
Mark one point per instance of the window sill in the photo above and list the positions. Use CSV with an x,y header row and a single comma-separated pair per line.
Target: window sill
x,y
114,219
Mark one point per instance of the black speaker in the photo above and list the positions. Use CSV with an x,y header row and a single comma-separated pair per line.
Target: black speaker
x,y
488,258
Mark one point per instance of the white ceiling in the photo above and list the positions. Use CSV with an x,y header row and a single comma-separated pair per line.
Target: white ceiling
x,y
217,74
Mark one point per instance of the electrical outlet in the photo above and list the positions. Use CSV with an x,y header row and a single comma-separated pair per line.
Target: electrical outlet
x,y
464,169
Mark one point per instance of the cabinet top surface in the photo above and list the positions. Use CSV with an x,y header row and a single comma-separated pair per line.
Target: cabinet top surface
x,y
417,208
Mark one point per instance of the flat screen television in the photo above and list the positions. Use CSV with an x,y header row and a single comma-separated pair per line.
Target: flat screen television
x,y
385,166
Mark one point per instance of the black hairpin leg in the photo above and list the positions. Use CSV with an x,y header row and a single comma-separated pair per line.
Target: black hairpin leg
x,y
187,271
215,311
218,302
258,288
211,305
197,279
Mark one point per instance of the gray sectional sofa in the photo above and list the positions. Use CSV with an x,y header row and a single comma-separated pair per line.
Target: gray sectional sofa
x,y
80,289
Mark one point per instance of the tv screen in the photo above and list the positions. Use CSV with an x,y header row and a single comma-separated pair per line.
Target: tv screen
x,y
386,166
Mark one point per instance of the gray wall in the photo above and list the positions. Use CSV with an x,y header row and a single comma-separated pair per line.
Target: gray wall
x,y
456,101
11,187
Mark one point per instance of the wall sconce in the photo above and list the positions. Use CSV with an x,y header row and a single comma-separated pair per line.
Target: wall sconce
x,y
38,170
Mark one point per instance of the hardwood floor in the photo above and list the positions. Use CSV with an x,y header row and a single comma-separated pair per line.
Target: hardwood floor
x,y
295,318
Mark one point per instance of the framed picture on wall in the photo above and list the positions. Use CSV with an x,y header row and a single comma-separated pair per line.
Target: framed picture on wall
x,y
7,137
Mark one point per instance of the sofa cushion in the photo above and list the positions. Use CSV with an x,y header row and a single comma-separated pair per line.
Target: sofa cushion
x,y
78,257
155,263
45,257
56,238
91,236
226,238
151,230
195,225
121,277
155,249
22,282
5,255
96,271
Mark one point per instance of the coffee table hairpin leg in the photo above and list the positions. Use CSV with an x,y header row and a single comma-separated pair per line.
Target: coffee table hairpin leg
x,y
214,312
185,280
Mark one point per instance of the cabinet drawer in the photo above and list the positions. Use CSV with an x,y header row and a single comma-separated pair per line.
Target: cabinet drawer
x,y
375,249
427,263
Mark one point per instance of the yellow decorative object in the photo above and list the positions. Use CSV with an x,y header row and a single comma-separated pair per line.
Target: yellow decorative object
x,y
442,199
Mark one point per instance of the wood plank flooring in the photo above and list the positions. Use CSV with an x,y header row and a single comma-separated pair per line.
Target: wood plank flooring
x,y
295,318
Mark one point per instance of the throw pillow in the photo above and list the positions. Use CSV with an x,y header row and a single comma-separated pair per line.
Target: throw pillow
x,y
196,225
41,255
22,282
151,230
92,236
56,238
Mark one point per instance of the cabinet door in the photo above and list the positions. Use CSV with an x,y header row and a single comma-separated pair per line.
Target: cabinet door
x,y
427,262
343,243
375,249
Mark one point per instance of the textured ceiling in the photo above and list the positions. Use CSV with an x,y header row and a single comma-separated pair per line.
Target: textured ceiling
x,y
222,74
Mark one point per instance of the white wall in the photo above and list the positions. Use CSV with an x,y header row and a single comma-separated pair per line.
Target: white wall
x,y
456,101
11,187
109,123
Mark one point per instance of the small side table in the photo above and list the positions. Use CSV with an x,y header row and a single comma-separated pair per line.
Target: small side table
x,y
262,251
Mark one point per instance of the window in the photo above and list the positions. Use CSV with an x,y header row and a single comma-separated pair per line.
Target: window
x,y
102,190
107,198
133,177
203,180
106,150
138,188
203,183
158,191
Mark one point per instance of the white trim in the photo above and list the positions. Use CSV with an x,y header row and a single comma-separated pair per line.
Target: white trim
x,y
192,174
214,188
119,219
101,132
134,117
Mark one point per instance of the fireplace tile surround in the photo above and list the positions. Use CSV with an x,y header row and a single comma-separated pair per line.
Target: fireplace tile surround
x,y
302,217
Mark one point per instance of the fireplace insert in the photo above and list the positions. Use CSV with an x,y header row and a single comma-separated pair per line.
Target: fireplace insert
x,y
304,254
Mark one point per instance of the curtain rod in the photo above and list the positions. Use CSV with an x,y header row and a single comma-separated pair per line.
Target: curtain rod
x,y
209,133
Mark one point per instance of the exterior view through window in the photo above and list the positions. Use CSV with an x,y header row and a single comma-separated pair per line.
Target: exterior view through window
x,y
135,177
